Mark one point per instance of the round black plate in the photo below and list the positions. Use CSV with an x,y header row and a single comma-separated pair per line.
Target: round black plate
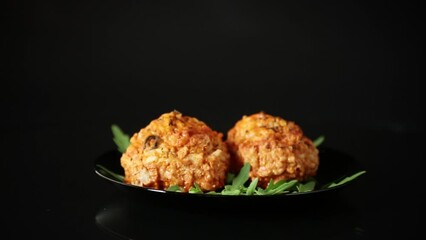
x,y
333,166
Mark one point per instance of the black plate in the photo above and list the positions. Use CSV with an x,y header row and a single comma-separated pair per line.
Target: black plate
x,y
333,166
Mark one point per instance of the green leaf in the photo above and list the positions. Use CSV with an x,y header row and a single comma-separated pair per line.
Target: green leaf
x,y
213,193
270,185
196,189
306,187
252,187
242,177
229,177
281,186
319,141
260,191
121,139
116,176
344,180
173,188
231,192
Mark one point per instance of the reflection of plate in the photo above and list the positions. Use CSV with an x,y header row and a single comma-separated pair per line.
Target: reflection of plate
x,y
128,218
333,166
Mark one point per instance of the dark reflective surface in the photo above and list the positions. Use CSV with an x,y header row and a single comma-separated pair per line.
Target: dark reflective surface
x,y
127,218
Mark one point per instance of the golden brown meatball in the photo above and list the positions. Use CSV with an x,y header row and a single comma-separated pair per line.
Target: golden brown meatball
x,y
176,150
275,148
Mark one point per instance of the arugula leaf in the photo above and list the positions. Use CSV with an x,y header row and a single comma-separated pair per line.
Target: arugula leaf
x,y
173,188
116,176
344,180
252,187
231,192
121,139
196,189
237,186
213,193
260,191
242,177
319,140
276,188
229,177
271,185
281,186
306,187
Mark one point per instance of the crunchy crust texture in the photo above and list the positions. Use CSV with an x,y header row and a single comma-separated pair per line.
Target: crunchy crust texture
x,y
176,150
275,148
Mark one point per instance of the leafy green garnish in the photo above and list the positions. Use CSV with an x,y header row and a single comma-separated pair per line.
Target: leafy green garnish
x,y
121,139
318,141
195,189
344,180
238,182
307,186
229,177
229,191
213,193
173,188
276,188
242,177
252,187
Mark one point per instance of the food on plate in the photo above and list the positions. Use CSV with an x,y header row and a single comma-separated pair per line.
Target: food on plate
x,y
275,148
176,150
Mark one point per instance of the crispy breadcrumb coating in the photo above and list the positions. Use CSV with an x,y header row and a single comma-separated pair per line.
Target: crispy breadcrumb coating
x,y
275,148
176,150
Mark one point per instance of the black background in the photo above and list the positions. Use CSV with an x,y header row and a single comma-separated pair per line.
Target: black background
x,y
349,70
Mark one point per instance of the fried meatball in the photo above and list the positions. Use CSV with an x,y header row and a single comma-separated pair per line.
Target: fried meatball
x,y
176,150
275,148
